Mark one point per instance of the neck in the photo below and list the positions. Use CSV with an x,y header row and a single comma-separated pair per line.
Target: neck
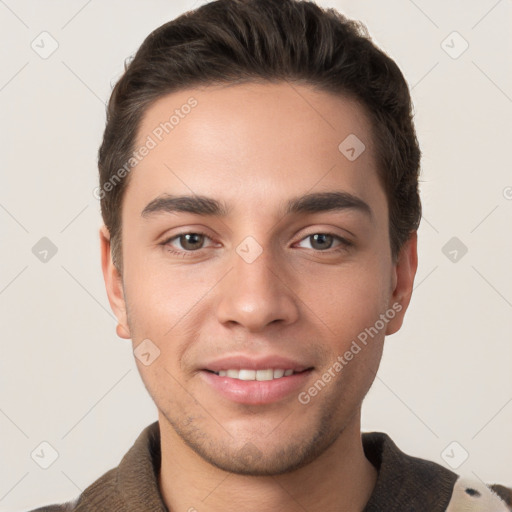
x,y
340,478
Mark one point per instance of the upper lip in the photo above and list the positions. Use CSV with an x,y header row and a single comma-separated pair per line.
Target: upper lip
x,y
245,362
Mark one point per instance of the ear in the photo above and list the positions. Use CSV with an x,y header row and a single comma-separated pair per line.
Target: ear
x,y
404,272
113,285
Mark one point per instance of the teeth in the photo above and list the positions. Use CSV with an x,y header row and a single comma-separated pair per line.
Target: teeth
x,y
265,374
247,374
259,375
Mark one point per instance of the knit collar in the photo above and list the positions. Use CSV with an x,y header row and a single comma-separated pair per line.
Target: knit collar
x,y
405,482
137,474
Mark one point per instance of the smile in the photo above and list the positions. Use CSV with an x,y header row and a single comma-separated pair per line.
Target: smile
x,y
260,375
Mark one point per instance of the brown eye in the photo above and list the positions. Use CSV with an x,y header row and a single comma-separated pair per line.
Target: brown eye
x,y
187,244
191,241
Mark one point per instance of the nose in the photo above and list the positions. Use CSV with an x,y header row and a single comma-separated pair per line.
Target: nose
x,y
256,294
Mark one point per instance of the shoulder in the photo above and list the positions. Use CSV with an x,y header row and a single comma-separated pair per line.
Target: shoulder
x,y
133,481
100,495
65,507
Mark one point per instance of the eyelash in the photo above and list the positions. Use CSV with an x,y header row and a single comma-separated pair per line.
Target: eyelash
x,y
344,245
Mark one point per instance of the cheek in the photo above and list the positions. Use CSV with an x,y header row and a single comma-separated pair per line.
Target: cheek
x,y
161,295
347,300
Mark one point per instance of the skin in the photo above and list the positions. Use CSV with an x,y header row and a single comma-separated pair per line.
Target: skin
x,y
254,147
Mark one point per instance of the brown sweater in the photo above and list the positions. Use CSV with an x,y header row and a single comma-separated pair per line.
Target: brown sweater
x,y
404,483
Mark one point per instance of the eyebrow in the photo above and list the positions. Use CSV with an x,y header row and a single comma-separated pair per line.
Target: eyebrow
x,y
207,206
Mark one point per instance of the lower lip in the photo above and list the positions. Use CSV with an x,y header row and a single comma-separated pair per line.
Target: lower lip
x,y
256,392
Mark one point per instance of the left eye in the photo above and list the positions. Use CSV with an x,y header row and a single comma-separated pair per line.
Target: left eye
x,y
323,241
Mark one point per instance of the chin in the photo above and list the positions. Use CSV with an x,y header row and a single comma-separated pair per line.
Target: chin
x,y
262,456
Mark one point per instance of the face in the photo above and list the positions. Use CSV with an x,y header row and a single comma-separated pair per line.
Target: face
x,y
278,260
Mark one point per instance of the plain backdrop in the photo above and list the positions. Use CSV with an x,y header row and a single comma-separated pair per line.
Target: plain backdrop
x,y
444,389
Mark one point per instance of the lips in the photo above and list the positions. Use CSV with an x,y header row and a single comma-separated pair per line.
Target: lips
x,y
255,381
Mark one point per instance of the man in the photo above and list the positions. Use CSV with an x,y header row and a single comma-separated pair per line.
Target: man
x,y
259,189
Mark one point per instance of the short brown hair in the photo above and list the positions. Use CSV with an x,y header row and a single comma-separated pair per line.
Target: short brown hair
x,y
271,40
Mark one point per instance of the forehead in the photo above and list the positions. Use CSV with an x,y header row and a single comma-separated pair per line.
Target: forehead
x,y
262,140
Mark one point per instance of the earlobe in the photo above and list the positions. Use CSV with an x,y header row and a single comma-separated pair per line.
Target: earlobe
x,y
123,332
113,284
403,281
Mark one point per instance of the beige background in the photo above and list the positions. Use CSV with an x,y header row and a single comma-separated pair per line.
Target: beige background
x,y
65,377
